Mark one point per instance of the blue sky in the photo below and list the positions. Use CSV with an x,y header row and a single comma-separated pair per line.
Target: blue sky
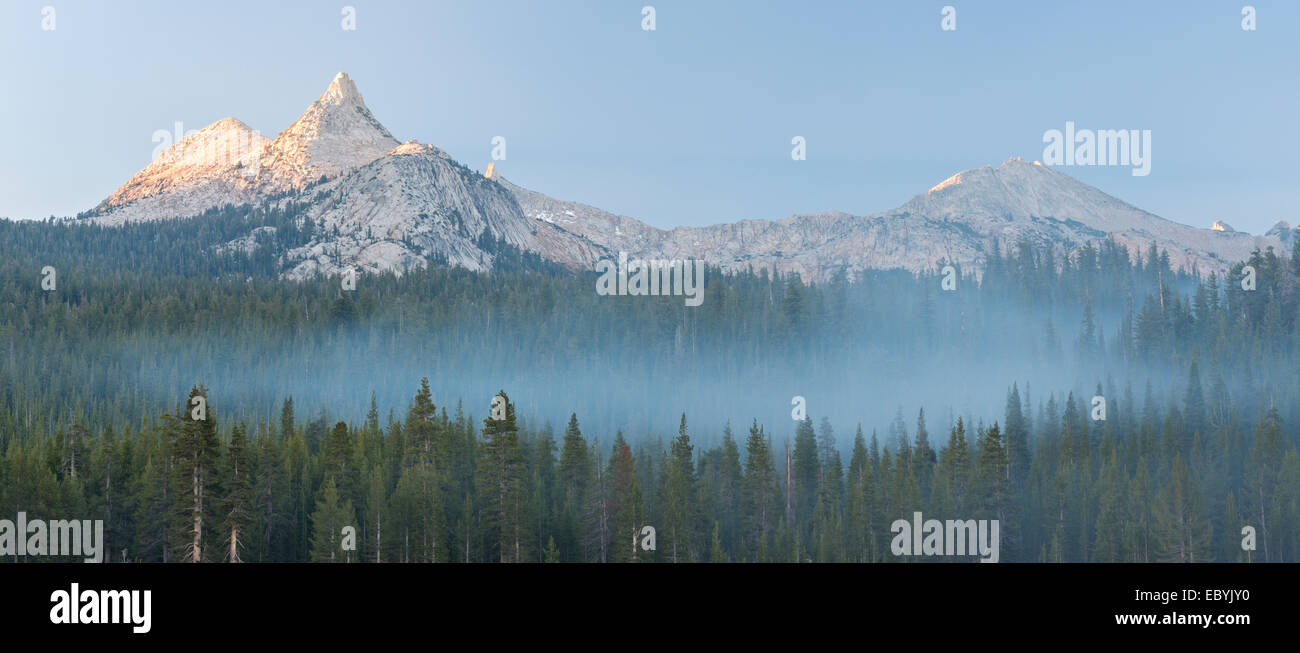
x,y
691,123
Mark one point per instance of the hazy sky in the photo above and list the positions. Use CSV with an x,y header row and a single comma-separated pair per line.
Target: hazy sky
x,y
688,124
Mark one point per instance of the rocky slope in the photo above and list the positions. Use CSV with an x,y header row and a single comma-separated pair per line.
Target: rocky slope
x,y
416,203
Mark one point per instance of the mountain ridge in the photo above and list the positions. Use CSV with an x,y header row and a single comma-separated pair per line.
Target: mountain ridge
x,y
386,205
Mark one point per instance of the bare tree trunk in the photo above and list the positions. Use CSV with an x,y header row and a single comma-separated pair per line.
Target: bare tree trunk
x,y
233,555
196,546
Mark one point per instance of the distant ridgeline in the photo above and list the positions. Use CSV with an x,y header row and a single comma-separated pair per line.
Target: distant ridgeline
x,y
100,359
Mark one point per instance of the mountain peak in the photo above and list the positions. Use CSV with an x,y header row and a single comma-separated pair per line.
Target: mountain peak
x,y
229,163
1282,231
335,134
1010,169
342,89
219,160
1021,189
228,124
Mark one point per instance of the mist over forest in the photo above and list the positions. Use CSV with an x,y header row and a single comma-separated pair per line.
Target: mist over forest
x,y
142,314
135,335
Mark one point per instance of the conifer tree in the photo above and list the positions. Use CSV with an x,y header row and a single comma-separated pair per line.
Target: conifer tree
x,y
716,552
1181,528
806,474
859,505
194,450
762,492
237,504
372,418
679,498
543,488
924,457
328,520
1017,438
376,505
728,490
287,427
419,428
501,485
995,486
626,507
575,473
269,494
152,497
1108,542
1261,478
954,471
338,459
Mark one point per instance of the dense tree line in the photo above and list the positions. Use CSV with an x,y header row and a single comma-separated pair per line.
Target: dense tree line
x,y
1199,378
1149,483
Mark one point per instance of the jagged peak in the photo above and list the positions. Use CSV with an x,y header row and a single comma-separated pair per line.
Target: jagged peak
x,y
337,133
342,90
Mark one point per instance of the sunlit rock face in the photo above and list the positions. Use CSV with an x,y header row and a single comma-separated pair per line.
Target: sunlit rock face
x,y
227,162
